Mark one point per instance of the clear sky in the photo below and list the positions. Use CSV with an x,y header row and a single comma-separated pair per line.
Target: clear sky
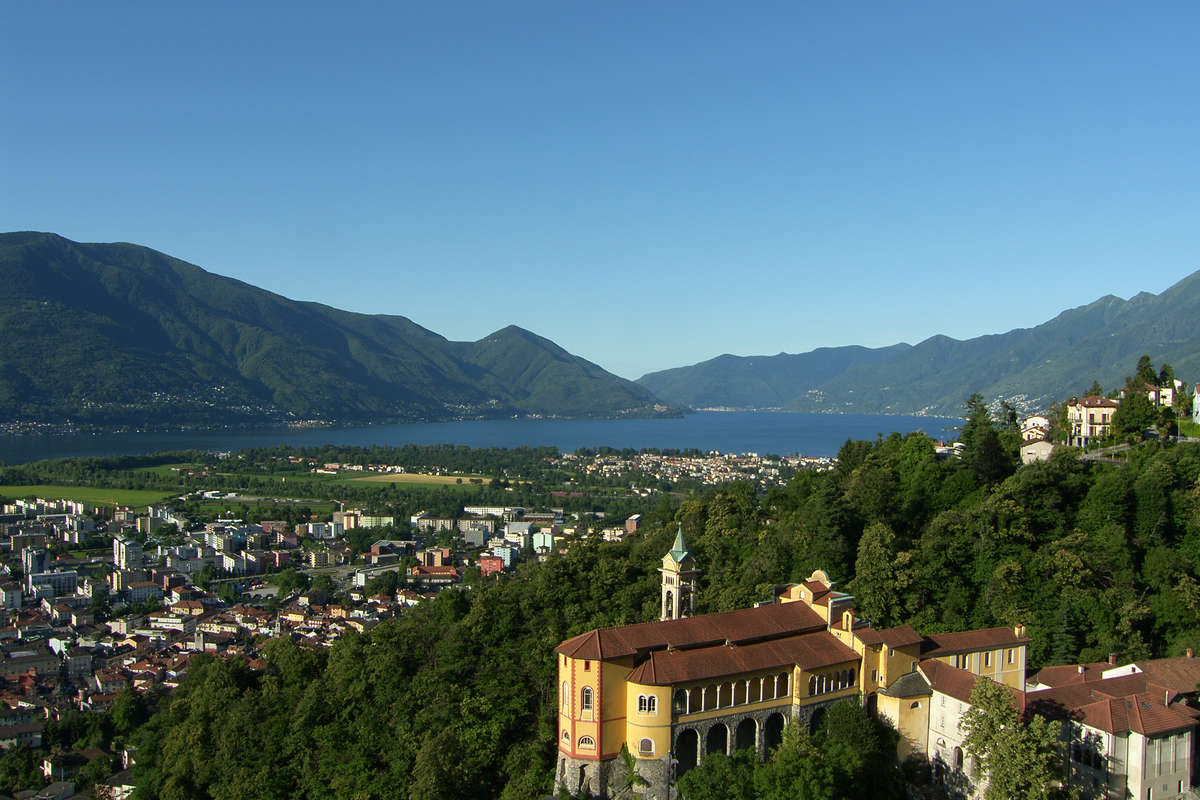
x,y
649,184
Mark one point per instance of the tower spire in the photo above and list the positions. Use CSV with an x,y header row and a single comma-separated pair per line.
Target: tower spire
x,y
678,580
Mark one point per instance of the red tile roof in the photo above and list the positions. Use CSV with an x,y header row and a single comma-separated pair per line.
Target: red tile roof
x,y
808,651
952,681
1095,705
1095,401
901,636
945,644
1070,673
1181,674
742,626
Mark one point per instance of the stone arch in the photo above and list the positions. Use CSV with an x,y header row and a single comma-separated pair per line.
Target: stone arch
x,y
781,684
717,740
740,691
710,698
746,735
773,731
725,695
695,699
687,750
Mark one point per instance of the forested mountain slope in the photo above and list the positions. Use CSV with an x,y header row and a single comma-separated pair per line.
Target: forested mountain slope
x,y
122,333
1029,367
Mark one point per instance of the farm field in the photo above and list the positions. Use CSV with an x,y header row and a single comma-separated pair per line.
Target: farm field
x,y
420,479
97,496
166,470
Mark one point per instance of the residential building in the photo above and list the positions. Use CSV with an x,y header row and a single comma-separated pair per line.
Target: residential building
x,y
1036,450
1089,419
127,553
490,565
1034,427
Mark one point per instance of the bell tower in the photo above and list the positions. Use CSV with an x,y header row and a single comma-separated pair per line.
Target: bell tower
x,y
678,581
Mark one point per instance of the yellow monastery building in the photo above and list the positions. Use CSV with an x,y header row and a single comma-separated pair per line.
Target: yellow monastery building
x,y
679,688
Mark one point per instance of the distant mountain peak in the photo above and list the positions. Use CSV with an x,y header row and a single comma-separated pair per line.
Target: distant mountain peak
x,y
122,333
1030,367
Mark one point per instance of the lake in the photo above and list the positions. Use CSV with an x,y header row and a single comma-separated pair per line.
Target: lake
x,y
727,431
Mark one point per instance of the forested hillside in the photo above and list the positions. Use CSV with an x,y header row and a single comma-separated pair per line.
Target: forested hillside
x,y
1030,367
456,698
122,334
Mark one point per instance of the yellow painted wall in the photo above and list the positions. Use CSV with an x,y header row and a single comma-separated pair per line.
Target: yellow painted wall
x,y
998,670
911,723
895,663
656,726
578,673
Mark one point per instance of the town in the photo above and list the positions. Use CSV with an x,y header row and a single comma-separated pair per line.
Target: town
x,y
108,600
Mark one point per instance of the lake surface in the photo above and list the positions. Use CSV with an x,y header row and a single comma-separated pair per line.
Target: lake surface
x,y
731,432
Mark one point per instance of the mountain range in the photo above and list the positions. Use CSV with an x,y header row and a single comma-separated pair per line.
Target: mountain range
x,y
1030,368
122,334
119,334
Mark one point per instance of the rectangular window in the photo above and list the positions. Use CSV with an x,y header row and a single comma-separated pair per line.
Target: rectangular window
x,y
587,666
987,659
1011,655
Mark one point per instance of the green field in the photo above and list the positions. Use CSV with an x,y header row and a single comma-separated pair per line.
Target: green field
x,y
166,469
97,496
419,479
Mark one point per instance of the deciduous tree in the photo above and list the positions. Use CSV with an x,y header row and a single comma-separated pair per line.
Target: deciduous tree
x,y
1017,758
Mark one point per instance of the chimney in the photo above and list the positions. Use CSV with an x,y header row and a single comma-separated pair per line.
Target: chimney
x,y
1019,630
1112,659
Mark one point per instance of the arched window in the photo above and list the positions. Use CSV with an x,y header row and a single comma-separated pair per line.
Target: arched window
x,y
585,699
646,747
566,696
710,698
647,704
958,758
680,701
695,699
725,695
739,693
668,606
755,690
587,742
781,684
812,686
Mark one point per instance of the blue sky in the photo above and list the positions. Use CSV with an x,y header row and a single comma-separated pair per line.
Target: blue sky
x,y
647,184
